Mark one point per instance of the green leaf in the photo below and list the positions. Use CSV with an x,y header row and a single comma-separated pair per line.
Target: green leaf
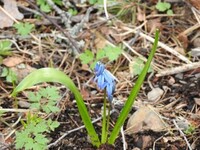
x,y
9,74
163,6
112,52
53,124
35,106
34,97
170,12
41,139
58,2
23,28
4,72
21,139
52,93
54,75
86,57
92,2
29,144
45,8
73,12
5,47
128,105
100,54
136,66
41,127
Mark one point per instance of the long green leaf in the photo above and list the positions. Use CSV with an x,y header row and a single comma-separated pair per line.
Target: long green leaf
x,y
54,75
128,105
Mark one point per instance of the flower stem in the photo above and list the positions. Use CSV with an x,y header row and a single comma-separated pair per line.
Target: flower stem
x,y
108,119
104,126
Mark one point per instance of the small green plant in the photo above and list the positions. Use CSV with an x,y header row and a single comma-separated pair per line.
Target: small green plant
x,y
92,2
32,136
72,11
102,78
5,47
136,66
110,52
45,7
10,75
45,99
24,28
190,130
164,6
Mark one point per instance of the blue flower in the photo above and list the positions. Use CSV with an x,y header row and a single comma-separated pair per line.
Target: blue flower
x,y
104,79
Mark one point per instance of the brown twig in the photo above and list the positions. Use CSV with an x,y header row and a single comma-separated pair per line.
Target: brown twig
x,y
71,40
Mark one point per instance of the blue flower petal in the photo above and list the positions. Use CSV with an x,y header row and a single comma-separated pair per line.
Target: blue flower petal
x,y
99,68
108,76
110,90
100,81
105,79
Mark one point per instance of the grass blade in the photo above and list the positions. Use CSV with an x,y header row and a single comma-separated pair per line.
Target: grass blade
x,y
127,107
54,75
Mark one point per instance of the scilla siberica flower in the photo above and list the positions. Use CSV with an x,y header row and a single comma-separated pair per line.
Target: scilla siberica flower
x,y
104,79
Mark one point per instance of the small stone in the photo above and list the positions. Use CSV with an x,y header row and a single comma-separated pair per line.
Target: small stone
x,y
144,119
24,104
182,123
171,81
155,94
179,76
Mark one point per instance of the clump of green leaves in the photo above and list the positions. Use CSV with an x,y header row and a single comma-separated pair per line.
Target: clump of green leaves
x,y
190,130
45,7
24,28
110,52
10,75
92,2
73,11
136,66
164,6
32,136
5,47
45,99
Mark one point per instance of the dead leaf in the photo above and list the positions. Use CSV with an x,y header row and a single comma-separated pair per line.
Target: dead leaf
x,y
197,101
145,118
183,40
180,50
12,9
195,3
100,41
140,14
85,93
12,61
154,24
196,42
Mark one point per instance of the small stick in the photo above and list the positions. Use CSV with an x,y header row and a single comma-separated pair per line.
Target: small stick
x,y
105,9
60,12
123,139
179,69
138,54
164,46
71,40
73,130
182,134
14,110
